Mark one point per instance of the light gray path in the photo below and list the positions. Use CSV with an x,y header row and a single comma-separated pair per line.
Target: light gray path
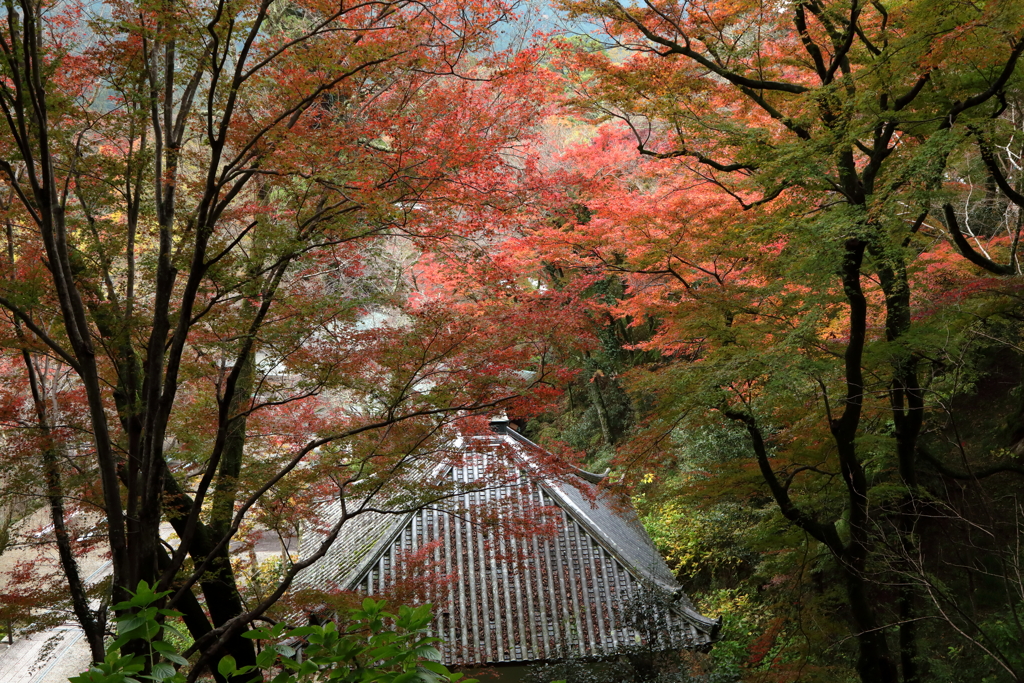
x,y
50,656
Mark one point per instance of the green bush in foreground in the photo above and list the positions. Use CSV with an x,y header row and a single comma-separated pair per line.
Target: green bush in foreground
x,y
376,647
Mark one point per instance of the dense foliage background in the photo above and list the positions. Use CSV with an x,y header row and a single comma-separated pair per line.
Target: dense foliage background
x,y
758,259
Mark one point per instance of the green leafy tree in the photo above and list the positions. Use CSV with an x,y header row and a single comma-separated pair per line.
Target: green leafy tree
x,y
799,233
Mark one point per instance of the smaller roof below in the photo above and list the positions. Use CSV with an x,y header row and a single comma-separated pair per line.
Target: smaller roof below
x,y
581,589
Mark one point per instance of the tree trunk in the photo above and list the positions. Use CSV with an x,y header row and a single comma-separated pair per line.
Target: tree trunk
x,y
874,662
218,583
907,404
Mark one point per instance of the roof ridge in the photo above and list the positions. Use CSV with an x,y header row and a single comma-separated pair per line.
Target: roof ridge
x,y
611,546
581,517
594,530
381,546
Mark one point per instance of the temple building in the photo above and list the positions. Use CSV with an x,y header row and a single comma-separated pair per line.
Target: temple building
x,y
575,583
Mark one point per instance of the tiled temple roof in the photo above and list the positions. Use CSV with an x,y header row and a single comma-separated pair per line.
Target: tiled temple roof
x,y
516,598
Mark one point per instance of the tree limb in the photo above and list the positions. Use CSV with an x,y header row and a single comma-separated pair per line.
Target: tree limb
x,y
965,247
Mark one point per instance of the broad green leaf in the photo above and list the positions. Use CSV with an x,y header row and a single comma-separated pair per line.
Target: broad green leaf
x,y
428,652
285,650
302,631
176,658
226,666
435,667
130,623
162,671
266,658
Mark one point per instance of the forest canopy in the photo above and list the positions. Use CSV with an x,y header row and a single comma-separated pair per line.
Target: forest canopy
x,y
759,260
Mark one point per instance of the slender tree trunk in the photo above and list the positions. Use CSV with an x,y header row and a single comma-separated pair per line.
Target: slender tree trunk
x,y
92,624
874,662
602,411
220,589
907,404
